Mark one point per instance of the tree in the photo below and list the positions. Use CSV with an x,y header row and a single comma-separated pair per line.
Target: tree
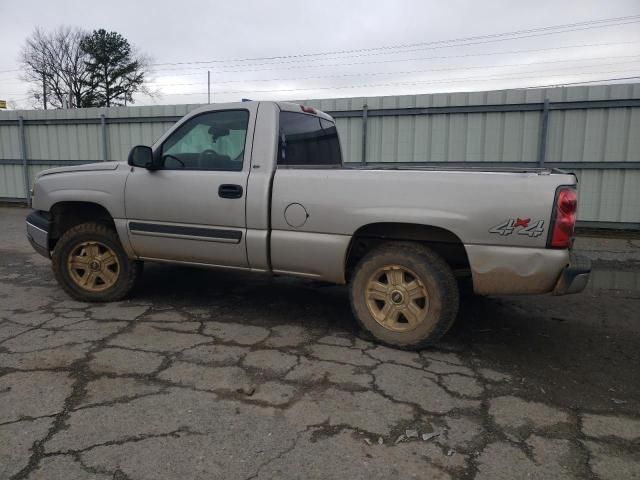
x,y
115,71
55,64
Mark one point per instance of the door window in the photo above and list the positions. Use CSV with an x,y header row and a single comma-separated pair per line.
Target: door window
x,y
209,141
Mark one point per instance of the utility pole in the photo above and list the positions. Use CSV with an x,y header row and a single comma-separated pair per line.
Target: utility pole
x,y
44,91
208,86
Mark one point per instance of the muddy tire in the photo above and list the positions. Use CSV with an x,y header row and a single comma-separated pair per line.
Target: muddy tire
x,y
404,295
91,265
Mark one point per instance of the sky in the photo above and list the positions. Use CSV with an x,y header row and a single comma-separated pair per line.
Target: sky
x,y
297,49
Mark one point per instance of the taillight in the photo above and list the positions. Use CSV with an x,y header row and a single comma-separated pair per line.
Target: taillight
x,y
306,109
564,218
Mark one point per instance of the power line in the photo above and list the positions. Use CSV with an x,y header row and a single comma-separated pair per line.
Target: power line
x,y
408,72
400,52
582,26
588,81
503,76
508,52
394,60
390,84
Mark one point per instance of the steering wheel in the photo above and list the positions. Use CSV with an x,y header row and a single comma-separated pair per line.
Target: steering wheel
x,y
208,154
209,157
173,157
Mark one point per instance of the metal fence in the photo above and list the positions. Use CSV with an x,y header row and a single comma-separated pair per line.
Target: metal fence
x,y
593,131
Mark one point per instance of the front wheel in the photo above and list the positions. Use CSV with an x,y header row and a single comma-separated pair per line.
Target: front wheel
x,y
405,295
91,265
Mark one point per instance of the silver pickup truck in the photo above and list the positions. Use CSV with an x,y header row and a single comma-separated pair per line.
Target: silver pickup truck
x,y
261,186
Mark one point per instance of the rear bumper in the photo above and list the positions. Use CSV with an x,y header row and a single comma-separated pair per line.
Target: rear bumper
x,y
38,227
575,276
502,270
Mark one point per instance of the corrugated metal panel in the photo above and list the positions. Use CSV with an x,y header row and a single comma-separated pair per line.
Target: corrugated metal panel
x,y
11,181
9,142
609,195
594,135
490,137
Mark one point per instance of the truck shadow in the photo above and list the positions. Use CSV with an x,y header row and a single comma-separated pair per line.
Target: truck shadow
x,y
253,297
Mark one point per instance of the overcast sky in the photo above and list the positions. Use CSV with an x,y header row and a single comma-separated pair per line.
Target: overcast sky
x,y
231,33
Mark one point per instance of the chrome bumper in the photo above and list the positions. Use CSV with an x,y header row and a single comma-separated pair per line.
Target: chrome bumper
x,y
38,227
574,278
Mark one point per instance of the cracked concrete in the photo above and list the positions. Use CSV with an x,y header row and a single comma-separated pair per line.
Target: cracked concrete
x,y
123,361
513,413
608,463
16,440
600,426
315,371
231,379
65,466
46,392
270,360
210,374
504,461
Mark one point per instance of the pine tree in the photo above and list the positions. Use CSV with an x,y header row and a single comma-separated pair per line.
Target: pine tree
x,y
115,73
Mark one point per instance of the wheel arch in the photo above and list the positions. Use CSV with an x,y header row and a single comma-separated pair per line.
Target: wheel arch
x,y
68,214
441,240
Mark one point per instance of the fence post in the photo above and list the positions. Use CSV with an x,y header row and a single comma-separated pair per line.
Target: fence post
x,y
365,115
544,127
103,128
25,162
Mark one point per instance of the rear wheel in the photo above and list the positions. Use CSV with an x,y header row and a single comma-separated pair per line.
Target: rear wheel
x,y
91,265
404,295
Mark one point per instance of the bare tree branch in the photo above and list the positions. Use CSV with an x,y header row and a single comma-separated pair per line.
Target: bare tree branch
x,y
55,65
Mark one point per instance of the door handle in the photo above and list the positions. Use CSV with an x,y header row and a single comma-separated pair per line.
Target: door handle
x,y
229,190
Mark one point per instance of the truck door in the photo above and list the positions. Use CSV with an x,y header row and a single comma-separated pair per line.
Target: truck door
x,y
192,209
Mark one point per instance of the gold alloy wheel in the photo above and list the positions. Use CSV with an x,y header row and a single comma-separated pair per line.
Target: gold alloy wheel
x,y
93,266
397,298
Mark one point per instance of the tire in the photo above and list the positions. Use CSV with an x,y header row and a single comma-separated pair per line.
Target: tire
x,y
417,285
81,256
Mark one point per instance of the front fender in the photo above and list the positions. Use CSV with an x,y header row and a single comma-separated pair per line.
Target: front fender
x,y
104,188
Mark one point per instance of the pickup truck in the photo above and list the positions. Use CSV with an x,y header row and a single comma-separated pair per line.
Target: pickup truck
x,y
261,186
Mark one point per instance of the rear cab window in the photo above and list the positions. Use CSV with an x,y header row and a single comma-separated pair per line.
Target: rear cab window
x,y
308,141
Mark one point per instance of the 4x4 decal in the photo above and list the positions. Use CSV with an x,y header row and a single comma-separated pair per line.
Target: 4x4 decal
x,y
522,225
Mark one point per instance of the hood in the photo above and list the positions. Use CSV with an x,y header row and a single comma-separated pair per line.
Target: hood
x,y
86,167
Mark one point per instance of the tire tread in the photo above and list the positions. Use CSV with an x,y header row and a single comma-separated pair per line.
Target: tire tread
x,y
122,287
440,269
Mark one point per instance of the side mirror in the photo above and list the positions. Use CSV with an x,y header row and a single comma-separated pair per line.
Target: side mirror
x,y
141,156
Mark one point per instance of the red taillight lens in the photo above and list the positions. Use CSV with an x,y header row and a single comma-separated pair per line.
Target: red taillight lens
x,y
564,218
306,109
